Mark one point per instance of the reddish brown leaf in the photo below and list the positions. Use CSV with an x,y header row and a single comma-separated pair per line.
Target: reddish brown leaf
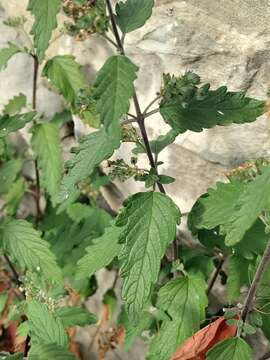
x,y
196,347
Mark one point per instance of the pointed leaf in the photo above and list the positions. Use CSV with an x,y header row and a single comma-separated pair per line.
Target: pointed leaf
x,y
44,326
254,200
230,349
204,111
13,123
8,174
133,14
92,150
114,88
45,12
7,53
65,74
50,352
184,300
100,253
75,316
149,220
159,144
24,243
215,208
47,149
15,104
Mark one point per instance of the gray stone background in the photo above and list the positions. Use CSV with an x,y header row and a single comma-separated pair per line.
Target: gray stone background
x,y
227,42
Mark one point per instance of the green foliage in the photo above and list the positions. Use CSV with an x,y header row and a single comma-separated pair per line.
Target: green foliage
x,y
184,300
233,349
75,316
253,201
57,227
149,225
114,88
237,276
65,75
47,149
8,174
49,352
15,105
185,106
14,196
133,14
44,326
100,253
26,246
9,124
85,160
45,12
7,53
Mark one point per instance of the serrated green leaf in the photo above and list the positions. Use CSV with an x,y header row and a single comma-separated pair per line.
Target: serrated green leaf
x,y
217,107
7,53
78,212
114,88
230,349
237,276
44,326
62,118
45,12
15,104
159,144
149,220
46,145
13,123
14,196
133,14
215,208
184,300
100,253
8,174
50,352
251,203
65,74
92,150
75,316
25,245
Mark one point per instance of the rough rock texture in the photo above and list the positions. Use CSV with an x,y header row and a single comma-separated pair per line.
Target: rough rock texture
x,y
225,42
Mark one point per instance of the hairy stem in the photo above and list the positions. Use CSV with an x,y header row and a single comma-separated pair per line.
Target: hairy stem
x,y
249,301
34,105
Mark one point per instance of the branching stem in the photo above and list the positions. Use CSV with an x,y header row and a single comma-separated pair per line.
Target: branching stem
x,y
249,301
139,114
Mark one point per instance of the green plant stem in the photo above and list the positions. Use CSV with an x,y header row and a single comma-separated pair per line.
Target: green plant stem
x,y
249,301
140,118
215,275
151,104
140,115
34,105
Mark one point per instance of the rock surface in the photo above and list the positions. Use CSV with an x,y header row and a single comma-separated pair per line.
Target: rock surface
x,y
225,42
